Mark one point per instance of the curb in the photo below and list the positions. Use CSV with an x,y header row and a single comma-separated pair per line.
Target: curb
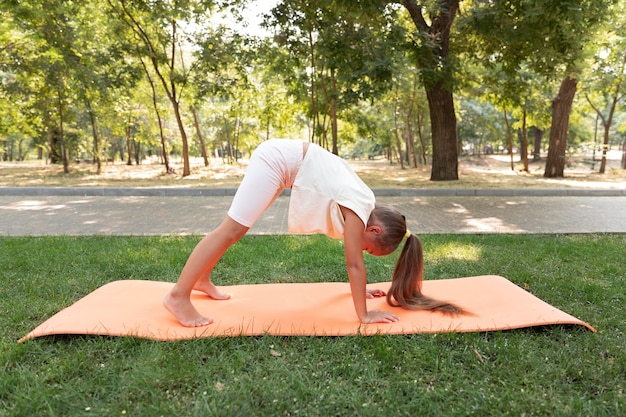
x,y
380,192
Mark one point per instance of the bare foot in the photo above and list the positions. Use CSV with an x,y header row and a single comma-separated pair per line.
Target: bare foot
x,y
185,312
211,290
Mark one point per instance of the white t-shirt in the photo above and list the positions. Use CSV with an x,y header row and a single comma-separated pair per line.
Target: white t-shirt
x,y
323,184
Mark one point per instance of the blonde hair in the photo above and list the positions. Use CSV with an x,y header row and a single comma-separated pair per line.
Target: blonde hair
x,y
408,274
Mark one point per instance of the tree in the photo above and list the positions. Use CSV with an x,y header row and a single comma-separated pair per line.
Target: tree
x,y
278,115
607,76
480,124
56,59
561,108
68,67
157,111
72,76
222,72
432,51
99,75
18,124
341,56
547,37
410,110
157,26
579,21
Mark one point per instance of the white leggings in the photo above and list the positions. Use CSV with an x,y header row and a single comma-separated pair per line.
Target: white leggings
x,y
273,167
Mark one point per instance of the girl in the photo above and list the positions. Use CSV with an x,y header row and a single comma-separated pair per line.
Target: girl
x,y
326,197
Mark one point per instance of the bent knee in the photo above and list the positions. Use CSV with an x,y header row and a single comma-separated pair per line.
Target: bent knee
x,y
232,230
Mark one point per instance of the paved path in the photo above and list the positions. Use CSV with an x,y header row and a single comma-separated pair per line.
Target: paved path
x,y
94,211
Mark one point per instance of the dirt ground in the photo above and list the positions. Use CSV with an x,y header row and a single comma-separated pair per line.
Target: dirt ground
x,y
475,172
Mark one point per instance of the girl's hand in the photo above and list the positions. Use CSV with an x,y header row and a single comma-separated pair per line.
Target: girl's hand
x,y
379,316
374,293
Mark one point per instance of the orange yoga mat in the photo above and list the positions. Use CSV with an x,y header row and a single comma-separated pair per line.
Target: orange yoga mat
x,y
134,308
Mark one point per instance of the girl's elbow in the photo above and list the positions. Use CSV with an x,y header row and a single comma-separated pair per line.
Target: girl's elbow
x,y
356,270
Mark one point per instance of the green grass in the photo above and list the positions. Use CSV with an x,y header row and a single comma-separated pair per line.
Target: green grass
x,y
558,370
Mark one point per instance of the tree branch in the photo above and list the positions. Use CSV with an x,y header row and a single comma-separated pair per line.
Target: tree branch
x,y
598,112
415,11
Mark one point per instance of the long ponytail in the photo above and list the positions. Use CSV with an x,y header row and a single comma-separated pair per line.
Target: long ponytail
x,y
408,274
406,284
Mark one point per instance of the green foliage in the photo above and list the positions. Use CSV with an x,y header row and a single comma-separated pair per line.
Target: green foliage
x,y
605,79
557,370
524,46
480,124
545,34
336,57
72,75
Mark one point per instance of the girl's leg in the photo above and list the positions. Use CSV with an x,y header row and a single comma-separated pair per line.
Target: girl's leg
x,y
197,271
272,168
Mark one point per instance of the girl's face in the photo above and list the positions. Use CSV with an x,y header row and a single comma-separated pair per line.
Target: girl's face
x,y
369,241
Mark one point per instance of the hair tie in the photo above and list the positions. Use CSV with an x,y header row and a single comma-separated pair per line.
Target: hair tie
x,y
407,234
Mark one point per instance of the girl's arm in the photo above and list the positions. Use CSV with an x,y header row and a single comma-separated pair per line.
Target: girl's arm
x,y
353,236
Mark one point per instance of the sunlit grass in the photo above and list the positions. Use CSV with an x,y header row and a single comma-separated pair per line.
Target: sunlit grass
x,y
558,370
457,251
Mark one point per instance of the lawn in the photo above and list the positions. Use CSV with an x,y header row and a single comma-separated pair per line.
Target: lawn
x,y
557,370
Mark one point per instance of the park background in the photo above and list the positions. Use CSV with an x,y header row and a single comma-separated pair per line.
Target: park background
x,y
419,84
130,93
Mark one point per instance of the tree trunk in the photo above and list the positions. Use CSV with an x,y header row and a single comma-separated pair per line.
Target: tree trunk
x,y
524,149
200,137
411,155
409,137
443,124
129,145
333,112
236,135
166,159
227,152
421,137
624,154
54,145
605,148
433,54
323,109
607,128
509,135
96,137
561,107
398,148
538,136
137,152
183,136
314,114
397,135
66,168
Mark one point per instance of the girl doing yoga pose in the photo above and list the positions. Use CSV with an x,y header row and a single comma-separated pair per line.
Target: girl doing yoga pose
x,y
326,197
